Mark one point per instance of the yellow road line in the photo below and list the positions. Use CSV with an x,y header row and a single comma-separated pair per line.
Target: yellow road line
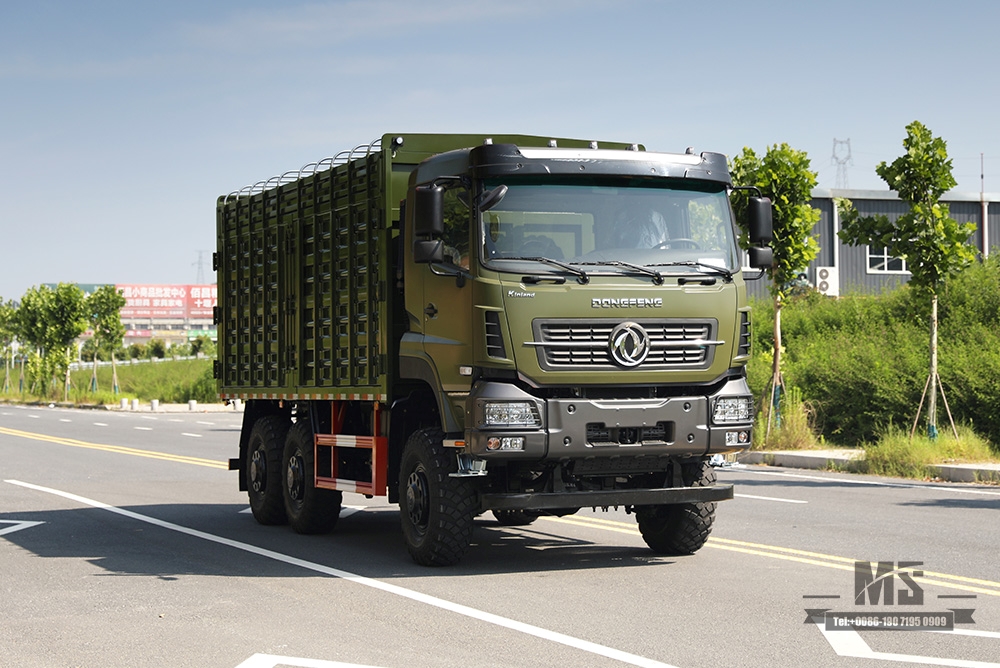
x,y
118,449
959,582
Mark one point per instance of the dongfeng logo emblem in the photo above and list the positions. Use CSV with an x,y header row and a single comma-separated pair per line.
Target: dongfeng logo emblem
x,y
629,344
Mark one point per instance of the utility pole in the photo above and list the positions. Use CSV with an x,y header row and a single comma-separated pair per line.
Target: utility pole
x,y
200,279
842,160
984,206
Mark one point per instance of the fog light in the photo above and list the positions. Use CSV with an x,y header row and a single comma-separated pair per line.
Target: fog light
x,y
737,437
732,409
505,443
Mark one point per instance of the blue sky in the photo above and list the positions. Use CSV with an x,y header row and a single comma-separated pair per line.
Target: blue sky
x,y
122,121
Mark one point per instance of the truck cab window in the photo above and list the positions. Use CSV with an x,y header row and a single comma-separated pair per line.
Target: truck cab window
x,y
456,226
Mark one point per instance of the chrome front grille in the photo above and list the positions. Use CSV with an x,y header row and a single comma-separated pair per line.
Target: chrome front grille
x,y
586,344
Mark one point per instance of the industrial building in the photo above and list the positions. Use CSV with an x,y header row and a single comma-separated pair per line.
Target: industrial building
x,y
840,268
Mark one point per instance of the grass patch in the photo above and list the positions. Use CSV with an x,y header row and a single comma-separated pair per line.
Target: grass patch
x,y
169,381
794,431
894,454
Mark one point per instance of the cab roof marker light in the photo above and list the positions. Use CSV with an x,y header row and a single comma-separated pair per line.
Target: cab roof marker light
x,y
666,159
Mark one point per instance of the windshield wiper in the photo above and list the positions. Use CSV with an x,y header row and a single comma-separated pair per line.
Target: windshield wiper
x,y
725,273
657,276
581,275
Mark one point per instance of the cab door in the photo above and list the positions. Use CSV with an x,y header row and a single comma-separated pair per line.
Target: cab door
x,y
446,313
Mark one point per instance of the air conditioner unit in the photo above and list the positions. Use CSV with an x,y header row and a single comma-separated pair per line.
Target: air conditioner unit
x,y
828,281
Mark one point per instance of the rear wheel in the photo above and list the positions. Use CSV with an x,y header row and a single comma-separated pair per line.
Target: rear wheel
x,y
680,528
436,510
310,510
263,469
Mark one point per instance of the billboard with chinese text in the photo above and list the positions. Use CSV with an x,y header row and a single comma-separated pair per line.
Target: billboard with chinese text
x,y
168,301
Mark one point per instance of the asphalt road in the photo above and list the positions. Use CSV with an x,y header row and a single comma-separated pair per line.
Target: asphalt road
x,y
125,542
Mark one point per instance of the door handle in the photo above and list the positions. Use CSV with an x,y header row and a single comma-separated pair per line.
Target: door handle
x,y
430,310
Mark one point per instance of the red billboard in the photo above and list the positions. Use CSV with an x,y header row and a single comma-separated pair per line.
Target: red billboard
x,y
168,301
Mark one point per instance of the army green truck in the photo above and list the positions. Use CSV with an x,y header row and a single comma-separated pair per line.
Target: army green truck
x,y
516,324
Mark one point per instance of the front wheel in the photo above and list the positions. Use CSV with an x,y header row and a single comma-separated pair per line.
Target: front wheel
x,y
436,510
310,510
681,528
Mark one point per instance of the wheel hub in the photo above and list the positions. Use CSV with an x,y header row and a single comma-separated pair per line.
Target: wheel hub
x,y
258,471
417,499
295,478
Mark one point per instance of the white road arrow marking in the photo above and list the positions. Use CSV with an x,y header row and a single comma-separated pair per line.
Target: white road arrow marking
x,y
848,643
17,525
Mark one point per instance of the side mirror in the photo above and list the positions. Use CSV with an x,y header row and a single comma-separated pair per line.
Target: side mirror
x,y
491,198
428,210
429,250
760,227
761,257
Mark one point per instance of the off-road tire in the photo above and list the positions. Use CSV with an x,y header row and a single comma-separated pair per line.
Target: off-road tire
x,y
309,510
515,518
681,528
436,511
263,469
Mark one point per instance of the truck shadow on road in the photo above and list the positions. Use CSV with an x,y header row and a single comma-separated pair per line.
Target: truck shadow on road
x,y
221,540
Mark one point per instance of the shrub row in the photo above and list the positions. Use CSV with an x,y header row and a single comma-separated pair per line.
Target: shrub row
x,y
862,361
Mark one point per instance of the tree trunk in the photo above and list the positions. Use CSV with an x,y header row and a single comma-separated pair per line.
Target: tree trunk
x,y
66,386
932,400
776,369
774,399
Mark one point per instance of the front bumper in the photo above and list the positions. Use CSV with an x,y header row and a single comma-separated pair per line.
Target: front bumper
x,y
588,427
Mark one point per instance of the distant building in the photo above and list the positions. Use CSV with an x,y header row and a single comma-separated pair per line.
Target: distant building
x,y
173,313
840,268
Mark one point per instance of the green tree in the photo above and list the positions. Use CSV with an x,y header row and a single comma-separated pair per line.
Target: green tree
x,y
49,321
156,348
934,245
783,175
203,345
7,334
31,326
104,308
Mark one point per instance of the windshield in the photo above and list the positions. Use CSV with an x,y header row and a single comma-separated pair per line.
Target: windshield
x,y
599,226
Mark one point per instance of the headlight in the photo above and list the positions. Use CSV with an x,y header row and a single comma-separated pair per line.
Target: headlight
x,y
510,414
732,409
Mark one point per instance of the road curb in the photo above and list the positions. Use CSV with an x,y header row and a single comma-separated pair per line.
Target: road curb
x,y
852,461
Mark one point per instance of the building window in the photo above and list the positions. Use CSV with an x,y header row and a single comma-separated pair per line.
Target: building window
x,y
880,262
